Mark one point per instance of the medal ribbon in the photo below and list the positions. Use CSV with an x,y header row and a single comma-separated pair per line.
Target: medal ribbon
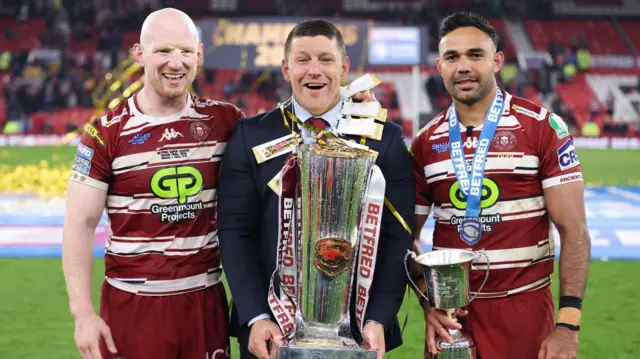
x,y
471,183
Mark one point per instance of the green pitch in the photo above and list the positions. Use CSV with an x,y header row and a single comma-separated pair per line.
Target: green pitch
x,y
35,322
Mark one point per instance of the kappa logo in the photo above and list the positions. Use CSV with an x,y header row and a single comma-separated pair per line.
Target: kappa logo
x,y
170,134
471,142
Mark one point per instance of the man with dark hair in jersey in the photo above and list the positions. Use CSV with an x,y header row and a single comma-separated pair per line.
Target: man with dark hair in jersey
x,y
495,170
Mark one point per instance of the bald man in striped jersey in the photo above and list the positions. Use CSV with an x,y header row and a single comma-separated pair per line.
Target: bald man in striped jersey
x,y
153,164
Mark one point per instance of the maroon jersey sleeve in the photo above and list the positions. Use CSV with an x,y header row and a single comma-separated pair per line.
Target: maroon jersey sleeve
x,y
559,162
92,165
423,193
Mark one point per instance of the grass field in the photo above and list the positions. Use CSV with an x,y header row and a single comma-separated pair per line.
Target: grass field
x,y
35,322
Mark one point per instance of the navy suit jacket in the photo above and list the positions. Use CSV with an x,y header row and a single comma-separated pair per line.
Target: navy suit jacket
x,y
248,221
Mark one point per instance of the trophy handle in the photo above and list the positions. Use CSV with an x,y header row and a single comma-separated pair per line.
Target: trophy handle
x,y
486,276
406,269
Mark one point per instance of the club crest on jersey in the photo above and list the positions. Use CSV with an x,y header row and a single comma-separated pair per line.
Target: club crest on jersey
x,y
567,156
199,131
170,134
504,140
467,228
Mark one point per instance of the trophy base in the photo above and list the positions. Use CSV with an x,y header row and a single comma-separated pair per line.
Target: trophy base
x,y
467,353
463,347
319,352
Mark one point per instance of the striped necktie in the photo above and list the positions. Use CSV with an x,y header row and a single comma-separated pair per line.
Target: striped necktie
x,y
320,125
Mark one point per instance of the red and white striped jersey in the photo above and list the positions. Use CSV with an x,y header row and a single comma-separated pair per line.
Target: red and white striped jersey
x,y
161,179
531,150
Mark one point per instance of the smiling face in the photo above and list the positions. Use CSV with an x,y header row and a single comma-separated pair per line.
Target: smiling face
x,y
314,67
468,63
170,52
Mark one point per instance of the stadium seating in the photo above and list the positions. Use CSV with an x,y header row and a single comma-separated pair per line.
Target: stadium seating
x,y
499,26
632,30
577,96
601,36
16,36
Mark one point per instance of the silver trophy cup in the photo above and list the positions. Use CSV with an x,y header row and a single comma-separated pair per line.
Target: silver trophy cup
x,y
333,186
447,275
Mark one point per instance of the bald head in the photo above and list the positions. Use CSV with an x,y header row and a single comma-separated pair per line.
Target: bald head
x,y
170,52
167,20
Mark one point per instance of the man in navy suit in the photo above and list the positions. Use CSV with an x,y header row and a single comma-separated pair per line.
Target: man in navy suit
x,y
315,63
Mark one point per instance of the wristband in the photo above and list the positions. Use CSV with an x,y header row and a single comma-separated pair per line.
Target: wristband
x,y
574,328
568,301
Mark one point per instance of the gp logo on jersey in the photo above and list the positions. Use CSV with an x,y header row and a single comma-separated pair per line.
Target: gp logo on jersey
x,y
178,183
489,197
567,156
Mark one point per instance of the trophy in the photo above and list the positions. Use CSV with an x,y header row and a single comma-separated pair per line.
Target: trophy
x,y
334,195
446,273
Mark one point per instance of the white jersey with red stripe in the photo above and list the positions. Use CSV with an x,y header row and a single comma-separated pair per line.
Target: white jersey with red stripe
x,y
531,150
161,179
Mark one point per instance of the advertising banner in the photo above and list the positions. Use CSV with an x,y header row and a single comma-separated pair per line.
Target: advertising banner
x,y
258,42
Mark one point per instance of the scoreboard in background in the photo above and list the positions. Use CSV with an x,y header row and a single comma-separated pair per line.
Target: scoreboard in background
x,y
394,46
258,42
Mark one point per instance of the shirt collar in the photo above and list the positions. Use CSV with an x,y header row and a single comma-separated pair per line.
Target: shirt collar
x,y
330,116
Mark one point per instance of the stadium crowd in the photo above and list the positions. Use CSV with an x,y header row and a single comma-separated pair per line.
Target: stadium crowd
x,y
77,43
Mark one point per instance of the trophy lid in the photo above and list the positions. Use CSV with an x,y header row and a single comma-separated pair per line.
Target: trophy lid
x,y
445,257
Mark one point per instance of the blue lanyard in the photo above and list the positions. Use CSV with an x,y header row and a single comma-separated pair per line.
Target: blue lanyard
x,y
471,183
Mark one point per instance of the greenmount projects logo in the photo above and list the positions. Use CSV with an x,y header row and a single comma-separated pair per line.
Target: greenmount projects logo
x,y
489,197
179,183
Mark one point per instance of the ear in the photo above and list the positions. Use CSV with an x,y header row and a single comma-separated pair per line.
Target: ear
x,y
137,54
346,64
498,61
439,65
285,70
200,53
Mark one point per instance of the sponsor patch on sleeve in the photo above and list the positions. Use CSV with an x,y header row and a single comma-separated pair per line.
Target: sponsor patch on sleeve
x,y
558,125
84,151
567,156
93,132
565,178
81,165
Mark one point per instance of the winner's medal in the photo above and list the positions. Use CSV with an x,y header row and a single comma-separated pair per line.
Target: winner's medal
x,y
470,228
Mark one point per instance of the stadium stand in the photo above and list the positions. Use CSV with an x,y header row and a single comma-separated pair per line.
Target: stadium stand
x,y
54,55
